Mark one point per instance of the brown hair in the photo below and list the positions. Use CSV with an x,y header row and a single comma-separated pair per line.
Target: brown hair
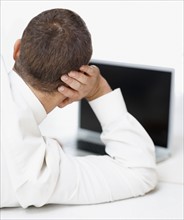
x,y
54,43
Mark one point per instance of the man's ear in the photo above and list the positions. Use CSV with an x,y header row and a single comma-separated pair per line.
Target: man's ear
x,y
16,49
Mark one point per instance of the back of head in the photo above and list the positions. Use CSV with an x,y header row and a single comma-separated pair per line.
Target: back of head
x,y
54,43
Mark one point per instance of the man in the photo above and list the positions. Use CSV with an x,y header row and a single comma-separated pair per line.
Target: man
x,y
51,69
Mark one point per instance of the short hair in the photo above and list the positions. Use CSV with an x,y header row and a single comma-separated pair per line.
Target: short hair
x,y
54,43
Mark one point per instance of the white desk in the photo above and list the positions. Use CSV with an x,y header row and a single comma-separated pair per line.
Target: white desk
x,y
166,202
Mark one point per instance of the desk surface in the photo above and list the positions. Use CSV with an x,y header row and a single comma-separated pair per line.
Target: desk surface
x,y
166,202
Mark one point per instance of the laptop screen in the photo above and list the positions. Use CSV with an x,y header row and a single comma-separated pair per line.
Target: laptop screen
x,y
146,91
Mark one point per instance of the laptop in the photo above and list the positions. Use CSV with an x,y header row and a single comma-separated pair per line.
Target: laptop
x,y
147,92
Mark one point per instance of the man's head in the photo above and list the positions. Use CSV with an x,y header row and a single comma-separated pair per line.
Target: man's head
x,y
54,43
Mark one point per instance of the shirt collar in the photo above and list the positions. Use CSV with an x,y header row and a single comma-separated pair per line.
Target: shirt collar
x,y
29,97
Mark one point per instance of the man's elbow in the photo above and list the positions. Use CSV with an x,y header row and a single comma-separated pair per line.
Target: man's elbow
x,y
148,179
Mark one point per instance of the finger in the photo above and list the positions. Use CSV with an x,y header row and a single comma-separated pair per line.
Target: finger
x,y
67,92
72,83
79,76
90,70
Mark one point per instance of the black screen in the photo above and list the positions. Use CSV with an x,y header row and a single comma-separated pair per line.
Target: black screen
x,y
146,92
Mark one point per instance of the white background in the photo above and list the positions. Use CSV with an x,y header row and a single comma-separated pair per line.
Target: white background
x,y
140,32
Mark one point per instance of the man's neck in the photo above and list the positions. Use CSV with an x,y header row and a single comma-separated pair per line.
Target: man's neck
x,y
48,100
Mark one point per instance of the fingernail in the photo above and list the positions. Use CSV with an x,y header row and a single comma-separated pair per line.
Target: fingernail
x,y
61,89
72,74
64,77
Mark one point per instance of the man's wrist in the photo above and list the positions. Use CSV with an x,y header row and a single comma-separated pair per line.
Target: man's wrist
x,y
101,90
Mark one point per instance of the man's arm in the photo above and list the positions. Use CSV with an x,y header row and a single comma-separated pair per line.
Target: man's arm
x,y
128,170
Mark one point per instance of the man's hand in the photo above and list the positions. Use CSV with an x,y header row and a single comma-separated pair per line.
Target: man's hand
x,y
87,83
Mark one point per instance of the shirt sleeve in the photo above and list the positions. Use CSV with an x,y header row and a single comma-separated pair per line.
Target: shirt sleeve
x,y
41,172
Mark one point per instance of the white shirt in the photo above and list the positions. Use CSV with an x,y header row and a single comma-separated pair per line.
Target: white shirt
x,y
36,171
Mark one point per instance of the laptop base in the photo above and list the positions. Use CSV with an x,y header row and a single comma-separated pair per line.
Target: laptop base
x,y
99,149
